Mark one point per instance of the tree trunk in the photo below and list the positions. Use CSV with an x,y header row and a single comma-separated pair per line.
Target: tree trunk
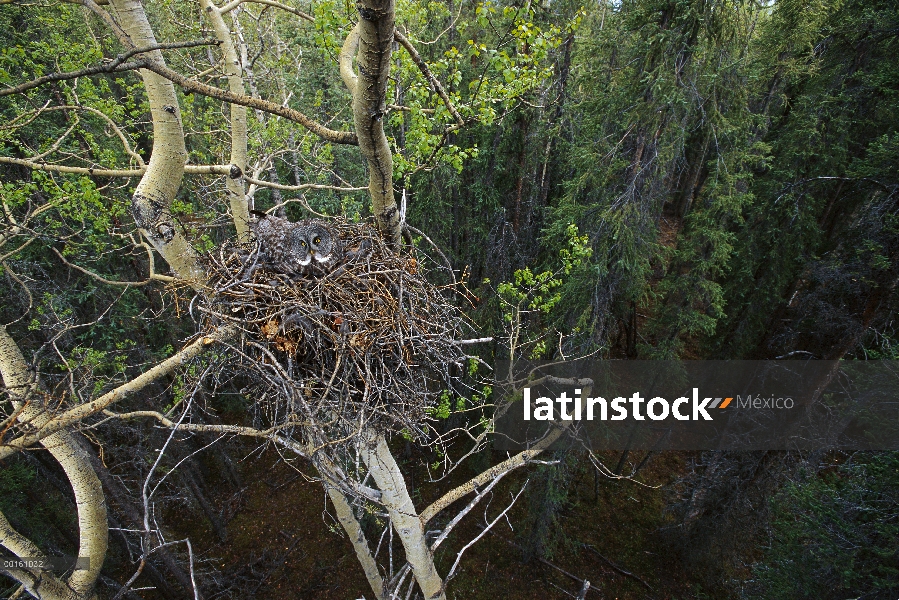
x,y
371,43
403,516
237,197
93,530
152,200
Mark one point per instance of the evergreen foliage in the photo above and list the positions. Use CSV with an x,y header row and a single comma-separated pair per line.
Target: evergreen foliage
x,y
835,534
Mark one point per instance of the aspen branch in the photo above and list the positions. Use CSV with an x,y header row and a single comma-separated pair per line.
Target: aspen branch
x,y
191,86
197,427
446,530
153,276
21,384
519,460
118,131
302,186
235,3
357,539
56,144
115,65
95,8
395,496
82,411
188,170
237,194
39,584
104,172
345,60
426,71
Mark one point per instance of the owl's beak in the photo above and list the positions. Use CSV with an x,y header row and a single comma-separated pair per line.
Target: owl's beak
x,y
312,252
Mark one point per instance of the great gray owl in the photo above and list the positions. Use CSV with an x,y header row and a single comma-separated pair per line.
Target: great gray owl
x,y
304,248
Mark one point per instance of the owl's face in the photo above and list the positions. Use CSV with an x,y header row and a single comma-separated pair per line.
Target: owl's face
x,y
321,244
300,251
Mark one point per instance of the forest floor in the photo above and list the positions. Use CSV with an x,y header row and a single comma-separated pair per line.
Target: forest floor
x,y
284,542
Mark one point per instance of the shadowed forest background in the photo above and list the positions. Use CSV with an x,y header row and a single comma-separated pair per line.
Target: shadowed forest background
x,y
726,174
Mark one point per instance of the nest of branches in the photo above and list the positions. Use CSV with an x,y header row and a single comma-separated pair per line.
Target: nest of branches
x,y
372,343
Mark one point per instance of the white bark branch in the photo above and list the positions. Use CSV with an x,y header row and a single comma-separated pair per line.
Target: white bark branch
x,y
55,423
157,188
519,460
237,196
93,530
40,584
360,544
395,498
235,3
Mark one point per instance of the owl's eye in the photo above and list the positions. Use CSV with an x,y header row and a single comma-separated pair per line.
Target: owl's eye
x,y
303,244
317,240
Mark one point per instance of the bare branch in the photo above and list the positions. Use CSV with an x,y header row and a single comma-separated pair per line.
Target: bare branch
x,y
118,131
435,83
53,168
27,291
303,186
519,460
153,276
446,530
624,572
484,532
235,3
82,411
114,65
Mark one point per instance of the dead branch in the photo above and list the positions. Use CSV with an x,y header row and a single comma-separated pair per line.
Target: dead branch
x,y
619,569
583,582
484,532
153,276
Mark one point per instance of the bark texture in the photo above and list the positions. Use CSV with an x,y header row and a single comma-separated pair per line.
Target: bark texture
x,y
409,527
371,42
237,197
152,200
23,389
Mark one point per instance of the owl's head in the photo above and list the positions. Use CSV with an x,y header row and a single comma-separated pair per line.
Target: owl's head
x,y
321,242
298,244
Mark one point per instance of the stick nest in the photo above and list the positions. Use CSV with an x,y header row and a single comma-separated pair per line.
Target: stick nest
x,y
372,342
